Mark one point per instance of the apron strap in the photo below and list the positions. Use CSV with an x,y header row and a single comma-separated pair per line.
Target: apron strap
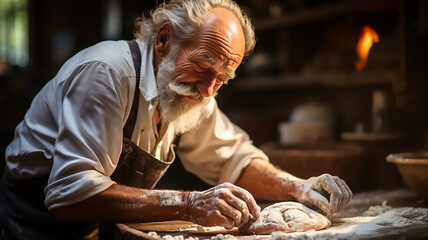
x,y
132,118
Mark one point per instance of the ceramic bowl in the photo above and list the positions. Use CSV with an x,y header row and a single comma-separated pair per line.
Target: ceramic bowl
x,y
413,168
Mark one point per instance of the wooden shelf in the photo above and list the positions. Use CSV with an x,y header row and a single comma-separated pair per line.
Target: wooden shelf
x,y
371,137
331,79
319,13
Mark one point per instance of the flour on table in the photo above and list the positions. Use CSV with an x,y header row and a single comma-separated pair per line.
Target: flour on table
x,y
286,217
181,237
377,210
371,222
223,237
169,237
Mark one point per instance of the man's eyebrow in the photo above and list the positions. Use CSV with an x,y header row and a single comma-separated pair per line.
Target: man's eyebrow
x,y
211,60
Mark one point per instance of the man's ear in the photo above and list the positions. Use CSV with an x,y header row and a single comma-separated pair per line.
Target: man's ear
x,y
162,41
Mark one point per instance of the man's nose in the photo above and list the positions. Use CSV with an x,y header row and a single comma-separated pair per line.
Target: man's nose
x,y
206,87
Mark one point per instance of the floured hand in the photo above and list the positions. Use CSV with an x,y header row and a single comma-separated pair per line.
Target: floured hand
x,y
286,217
328,193
224,205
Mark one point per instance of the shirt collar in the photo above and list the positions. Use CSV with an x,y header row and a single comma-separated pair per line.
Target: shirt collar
x,y
148,86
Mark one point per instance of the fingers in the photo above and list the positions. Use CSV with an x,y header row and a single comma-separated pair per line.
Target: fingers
x,y
340,196
223,220
339,192
207,209
233,216
243,203
224,205
347,193
350,194
315,198
248,201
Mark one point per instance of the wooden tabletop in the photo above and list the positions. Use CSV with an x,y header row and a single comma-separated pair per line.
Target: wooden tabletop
x,y
345,225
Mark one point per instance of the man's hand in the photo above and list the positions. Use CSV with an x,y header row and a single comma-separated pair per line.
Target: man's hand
x,y
329,193
225,205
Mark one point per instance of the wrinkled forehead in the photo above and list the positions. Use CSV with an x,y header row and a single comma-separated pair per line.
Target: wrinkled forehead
x,y
222,37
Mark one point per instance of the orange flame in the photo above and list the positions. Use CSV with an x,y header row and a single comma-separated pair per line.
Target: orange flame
x,y
367,37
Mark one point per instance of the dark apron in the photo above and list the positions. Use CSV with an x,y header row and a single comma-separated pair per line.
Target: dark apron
x,y
23,214
136,167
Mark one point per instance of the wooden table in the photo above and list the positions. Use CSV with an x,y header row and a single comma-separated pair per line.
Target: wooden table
x,y
340,228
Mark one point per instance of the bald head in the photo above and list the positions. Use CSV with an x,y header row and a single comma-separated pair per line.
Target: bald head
x,y
222,28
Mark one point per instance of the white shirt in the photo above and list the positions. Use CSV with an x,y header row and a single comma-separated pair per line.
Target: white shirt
x,y
73,130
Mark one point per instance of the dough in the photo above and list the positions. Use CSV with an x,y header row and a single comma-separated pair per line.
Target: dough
x,y
286,217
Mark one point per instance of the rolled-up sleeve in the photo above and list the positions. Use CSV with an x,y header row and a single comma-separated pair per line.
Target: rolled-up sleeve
x,y
217,150
89,139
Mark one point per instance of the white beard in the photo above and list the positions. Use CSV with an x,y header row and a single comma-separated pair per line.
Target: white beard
x,y
182,114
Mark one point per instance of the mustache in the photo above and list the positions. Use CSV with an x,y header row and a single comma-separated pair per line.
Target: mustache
x,y
184,89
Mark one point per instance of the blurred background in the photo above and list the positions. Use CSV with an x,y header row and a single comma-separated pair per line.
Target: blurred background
x,y
332,85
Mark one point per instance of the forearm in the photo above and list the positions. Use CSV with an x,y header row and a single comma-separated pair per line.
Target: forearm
x,y
267,182
119,203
